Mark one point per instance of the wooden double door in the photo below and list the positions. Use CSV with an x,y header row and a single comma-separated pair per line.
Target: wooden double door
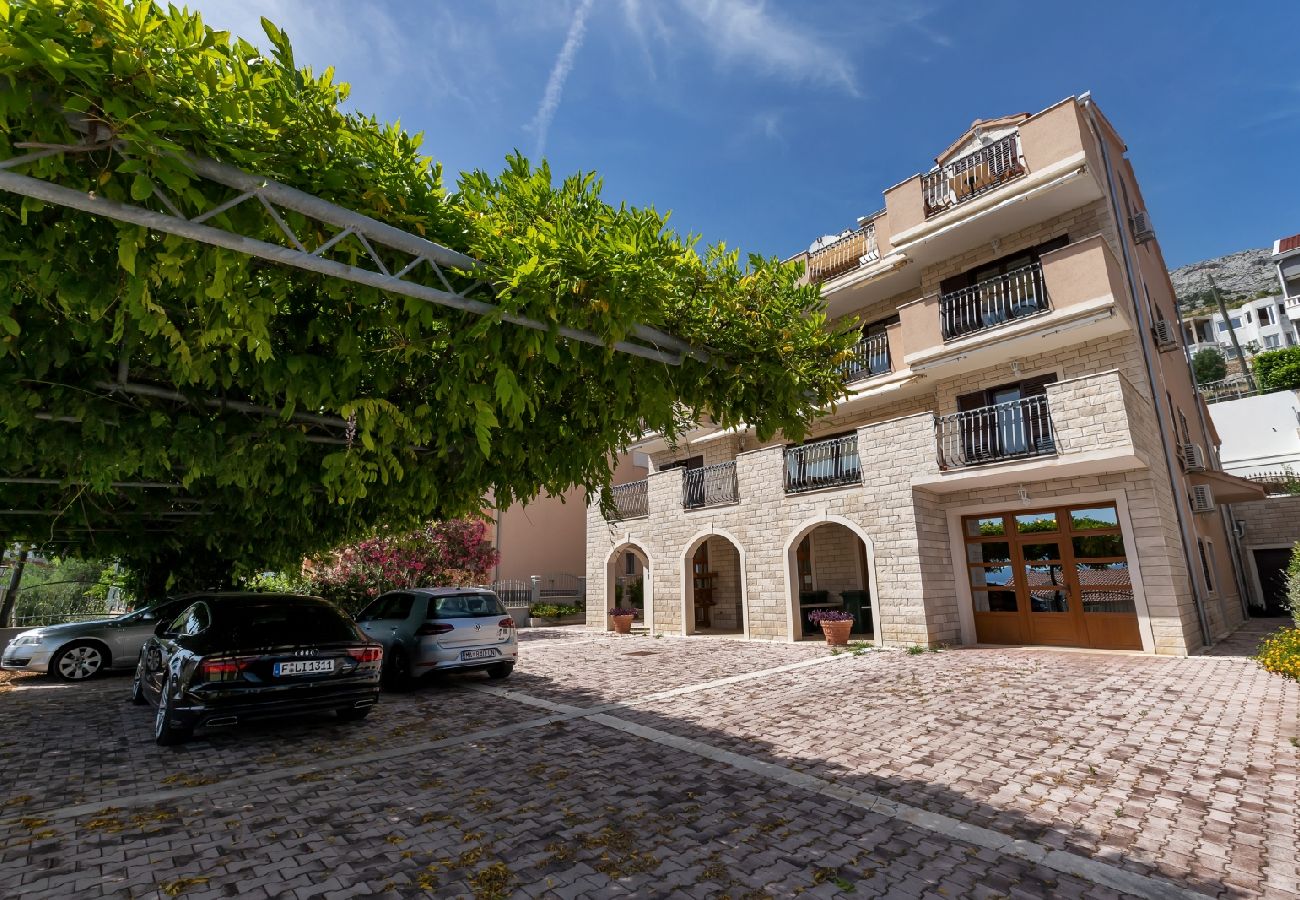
x,y
1056,576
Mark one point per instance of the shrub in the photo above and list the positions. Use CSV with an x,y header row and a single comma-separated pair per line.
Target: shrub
x,y
454,552
1278,370
1293,584
624,611
553,610
1280,653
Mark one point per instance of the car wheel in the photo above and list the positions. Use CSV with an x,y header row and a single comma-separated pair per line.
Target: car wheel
x,y
354,714
166,730
500,670
397,670
137,683
78,661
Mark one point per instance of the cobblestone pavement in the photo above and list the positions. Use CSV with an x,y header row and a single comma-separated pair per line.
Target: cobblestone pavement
x,y
610,766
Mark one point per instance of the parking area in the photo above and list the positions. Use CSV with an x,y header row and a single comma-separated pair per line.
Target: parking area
x,y
684,767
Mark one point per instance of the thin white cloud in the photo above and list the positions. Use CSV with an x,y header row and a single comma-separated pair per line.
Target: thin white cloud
x,y
745,32
541,124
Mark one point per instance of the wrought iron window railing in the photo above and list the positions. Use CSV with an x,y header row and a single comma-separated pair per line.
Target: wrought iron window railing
x,y
631,500
1011,430
993,302
710,486
969,176
848,253
870,357
822,464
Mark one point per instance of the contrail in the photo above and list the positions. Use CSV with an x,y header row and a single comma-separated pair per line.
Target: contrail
x,y
541,123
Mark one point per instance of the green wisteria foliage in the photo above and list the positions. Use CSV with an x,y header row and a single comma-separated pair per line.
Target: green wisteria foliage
x,y
447,406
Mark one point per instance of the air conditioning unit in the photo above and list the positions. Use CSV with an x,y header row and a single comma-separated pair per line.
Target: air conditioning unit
x,y
1142,230
1165,334
1202,498
1193,457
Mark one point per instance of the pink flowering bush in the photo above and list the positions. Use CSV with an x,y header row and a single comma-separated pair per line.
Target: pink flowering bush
x,y
441,553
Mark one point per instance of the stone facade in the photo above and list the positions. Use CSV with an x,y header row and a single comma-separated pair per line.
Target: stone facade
x,y
1119,406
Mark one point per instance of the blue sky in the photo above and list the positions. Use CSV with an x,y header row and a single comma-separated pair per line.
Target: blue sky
x,y
766,124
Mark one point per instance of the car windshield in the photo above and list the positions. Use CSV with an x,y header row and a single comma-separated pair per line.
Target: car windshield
x,y
465,606
279,622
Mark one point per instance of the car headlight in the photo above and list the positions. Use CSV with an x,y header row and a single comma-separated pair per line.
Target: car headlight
x,y
25,639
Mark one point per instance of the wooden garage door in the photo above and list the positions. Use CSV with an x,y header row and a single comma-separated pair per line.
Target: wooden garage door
x,y
1051,576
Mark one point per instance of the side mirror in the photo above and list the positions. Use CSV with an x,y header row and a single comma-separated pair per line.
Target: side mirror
x,y
148,615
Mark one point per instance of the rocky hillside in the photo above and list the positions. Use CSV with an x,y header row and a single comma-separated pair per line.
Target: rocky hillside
x,y
1239,276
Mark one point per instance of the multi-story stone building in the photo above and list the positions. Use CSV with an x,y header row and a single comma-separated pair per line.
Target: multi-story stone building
x,y
1021,456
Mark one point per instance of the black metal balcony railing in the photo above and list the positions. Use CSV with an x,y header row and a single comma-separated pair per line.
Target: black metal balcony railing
x,y
993,302
848,253
710,486
631,500
1011,430
969,176
870,358
822,464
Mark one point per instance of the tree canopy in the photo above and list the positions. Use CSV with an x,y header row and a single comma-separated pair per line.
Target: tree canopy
x,y
442,406
1209,365
1278,370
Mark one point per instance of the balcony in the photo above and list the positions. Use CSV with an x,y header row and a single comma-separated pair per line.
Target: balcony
x,y
870,357
631,500
853,250
710,486
822,464
993,302
1016,429
969,176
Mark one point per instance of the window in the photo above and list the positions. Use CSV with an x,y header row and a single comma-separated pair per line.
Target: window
x,y
1205,563
691,462
396,605
1248,319
629,563
1272,340
192,621
465,606
1265,315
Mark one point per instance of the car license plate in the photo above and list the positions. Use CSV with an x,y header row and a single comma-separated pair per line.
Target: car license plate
x,y
304,667
477,654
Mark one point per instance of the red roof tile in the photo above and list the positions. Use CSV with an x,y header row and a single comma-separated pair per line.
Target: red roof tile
x,y
1289,243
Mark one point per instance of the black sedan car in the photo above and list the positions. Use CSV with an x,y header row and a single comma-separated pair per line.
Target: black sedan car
x,y
230,658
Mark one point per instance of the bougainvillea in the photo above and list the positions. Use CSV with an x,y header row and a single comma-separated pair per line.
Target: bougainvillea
x,y
454,552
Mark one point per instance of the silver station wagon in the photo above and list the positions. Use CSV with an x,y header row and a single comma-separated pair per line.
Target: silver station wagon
x,y
441,629
76,651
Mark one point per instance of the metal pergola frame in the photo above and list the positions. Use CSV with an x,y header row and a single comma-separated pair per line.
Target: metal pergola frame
x,y
274,198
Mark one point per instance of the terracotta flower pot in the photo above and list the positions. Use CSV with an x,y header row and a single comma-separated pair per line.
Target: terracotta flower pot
x,y
622,624
837,633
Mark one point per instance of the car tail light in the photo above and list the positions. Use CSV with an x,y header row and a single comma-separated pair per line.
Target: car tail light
x,y
221,669
429,628
507,622
366,654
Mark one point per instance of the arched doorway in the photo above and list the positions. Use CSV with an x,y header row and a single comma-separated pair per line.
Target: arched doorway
x,y
628,583
830,564
714,593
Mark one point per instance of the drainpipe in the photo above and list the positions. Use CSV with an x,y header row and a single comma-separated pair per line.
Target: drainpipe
x,y
1157,395
1235,557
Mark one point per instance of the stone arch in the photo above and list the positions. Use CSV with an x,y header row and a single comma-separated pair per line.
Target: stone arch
x,y
687,578
647,579
789,564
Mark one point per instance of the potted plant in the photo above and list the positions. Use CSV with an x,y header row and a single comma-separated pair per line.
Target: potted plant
x,y
623,616
836,624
